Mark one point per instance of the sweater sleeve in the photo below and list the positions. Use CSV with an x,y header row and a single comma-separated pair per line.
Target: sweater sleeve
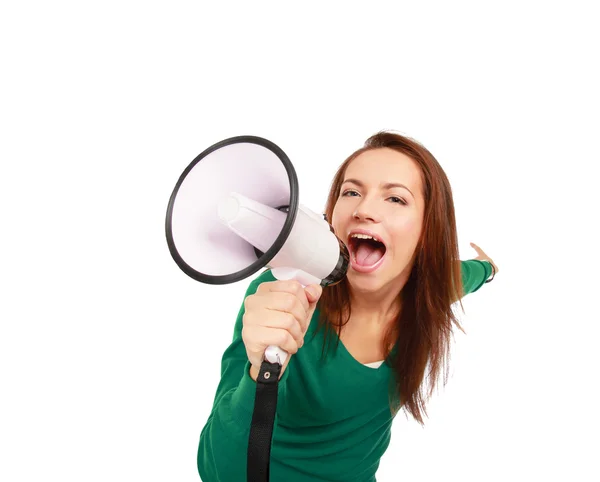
x,y
474,274
223,447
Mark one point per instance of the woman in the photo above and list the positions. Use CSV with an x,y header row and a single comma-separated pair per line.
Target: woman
x,y
359,350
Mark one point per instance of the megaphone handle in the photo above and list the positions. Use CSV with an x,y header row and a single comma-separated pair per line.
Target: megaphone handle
x,y
273,353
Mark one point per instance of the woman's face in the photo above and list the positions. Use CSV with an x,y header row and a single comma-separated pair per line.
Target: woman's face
x,y
381,197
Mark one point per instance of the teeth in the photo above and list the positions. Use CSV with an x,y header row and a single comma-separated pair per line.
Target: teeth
x,y
363,236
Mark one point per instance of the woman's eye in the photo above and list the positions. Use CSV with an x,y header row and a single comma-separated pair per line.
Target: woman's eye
x,y
347,193
395,199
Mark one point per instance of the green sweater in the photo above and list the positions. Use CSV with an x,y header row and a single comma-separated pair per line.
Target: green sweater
x,y
333,420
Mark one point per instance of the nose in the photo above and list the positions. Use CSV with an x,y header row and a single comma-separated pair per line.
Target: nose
x,y
365,212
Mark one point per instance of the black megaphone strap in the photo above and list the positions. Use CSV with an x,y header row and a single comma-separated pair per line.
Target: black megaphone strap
x,y
263,420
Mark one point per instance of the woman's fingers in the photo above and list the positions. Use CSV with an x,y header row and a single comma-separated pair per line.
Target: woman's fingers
x,y
277,314
482,256
292,287
478,249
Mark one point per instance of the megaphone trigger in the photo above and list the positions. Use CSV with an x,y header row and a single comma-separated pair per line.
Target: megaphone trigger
x,y
274,354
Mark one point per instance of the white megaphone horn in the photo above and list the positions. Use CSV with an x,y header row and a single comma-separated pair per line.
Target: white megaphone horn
x,y
235,210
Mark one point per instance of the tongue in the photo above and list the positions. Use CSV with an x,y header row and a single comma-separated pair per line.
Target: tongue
x,y
367,254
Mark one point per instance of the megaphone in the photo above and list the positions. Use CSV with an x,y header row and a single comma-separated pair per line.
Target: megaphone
x,y
235,209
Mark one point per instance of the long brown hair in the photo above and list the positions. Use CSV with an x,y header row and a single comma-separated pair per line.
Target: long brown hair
x,y
421,333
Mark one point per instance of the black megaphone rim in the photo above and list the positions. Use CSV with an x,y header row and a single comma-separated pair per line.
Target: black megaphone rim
x,y
279,242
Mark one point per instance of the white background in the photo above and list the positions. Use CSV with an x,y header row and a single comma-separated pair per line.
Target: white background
x,y
110,355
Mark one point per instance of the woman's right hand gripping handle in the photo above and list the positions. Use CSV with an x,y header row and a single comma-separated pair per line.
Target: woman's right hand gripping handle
x,y
277,314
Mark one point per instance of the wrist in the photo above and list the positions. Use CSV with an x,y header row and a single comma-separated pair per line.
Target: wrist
x,y
493,271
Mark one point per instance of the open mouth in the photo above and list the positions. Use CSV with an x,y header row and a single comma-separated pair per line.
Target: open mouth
x,y
366,252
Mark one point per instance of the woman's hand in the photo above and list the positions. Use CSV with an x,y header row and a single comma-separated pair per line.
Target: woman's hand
x,y
483,257
277,314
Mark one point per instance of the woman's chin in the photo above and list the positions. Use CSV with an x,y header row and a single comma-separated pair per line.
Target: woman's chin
x,y
364,286
366,281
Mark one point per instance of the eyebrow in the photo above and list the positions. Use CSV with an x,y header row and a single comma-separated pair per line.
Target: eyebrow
x,y
387,185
